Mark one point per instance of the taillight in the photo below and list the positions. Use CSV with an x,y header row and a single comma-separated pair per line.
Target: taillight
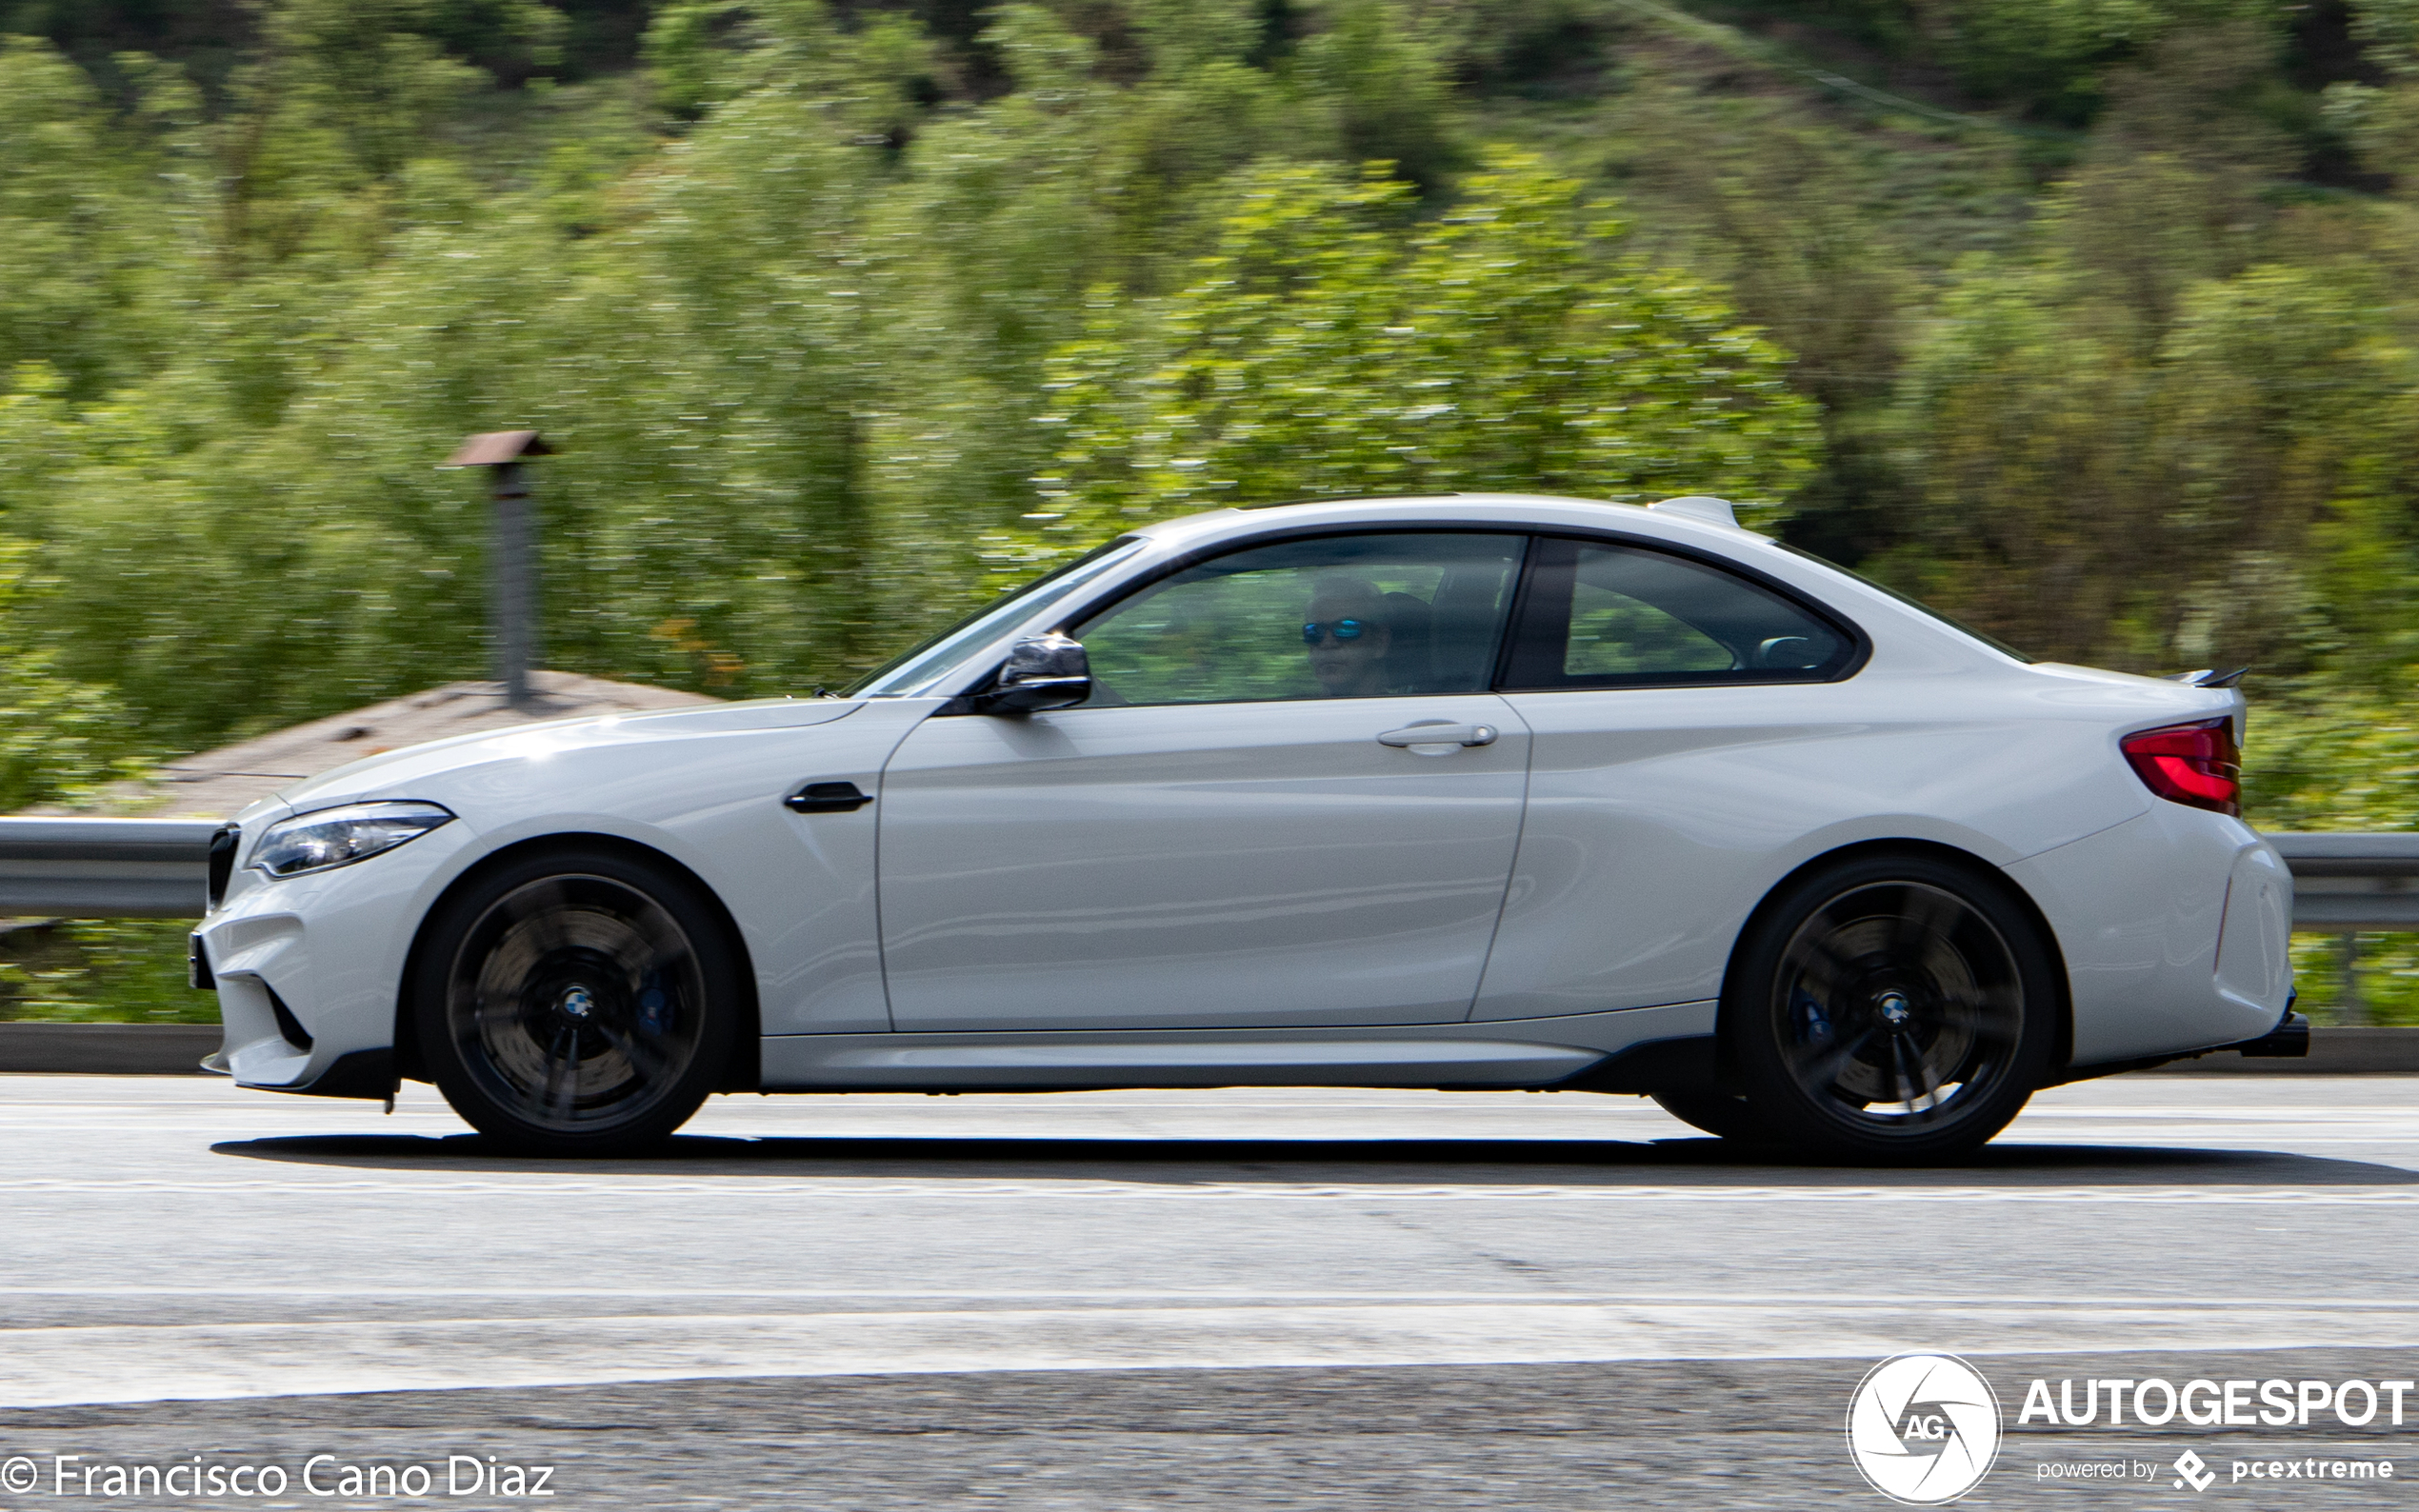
x,y
2190,764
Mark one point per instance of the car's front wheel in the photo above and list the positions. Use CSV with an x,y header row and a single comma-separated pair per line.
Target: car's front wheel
x,y
1890,1009
576,1003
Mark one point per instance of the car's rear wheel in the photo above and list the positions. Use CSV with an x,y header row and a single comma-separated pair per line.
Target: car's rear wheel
x,y
577,1004
1891,1009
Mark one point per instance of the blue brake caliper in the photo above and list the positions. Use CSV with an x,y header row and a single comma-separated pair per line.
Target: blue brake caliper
x,y
654,1009
1810,1019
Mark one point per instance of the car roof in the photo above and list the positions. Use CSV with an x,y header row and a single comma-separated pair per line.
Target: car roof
x,y
1686,525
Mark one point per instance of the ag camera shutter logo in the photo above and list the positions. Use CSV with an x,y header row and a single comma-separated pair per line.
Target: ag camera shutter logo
x,y
1924,1428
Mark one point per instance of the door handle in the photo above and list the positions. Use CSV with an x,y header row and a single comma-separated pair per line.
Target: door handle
x,y
827,798
1439,734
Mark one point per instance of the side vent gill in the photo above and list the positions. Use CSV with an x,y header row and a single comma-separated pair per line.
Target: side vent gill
x,y
221,861
287,1024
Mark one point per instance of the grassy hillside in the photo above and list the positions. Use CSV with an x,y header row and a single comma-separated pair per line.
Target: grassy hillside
x,y
2092,307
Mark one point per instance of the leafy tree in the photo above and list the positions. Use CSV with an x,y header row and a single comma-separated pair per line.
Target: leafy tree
x,y
2054,56
59,738
1381,78
1328,348
2188,500
811,299
2380,121
79,288
2154,437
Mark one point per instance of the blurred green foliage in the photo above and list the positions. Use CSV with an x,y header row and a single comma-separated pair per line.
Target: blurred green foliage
x,y
59,738
1509,345
2386,977
2086,318
799,324
101,971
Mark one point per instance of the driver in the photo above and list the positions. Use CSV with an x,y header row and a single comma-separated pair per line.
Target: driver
x,y
1345,634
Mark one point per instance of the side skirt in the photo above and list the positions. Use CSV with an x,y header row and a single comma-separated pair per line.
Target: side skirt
x,y
1575,1050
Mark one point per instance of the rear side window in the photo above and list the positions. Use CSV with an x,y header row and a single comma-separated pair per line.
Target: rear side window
x,y
1599,614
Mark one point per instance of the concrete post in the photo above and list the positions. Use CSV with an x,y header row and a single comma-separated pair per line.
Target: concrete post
x,y
515,583
514,592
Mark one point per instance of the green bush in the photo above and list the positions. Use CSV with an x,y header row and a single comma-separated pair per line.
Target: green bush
x,y
104,971
59,738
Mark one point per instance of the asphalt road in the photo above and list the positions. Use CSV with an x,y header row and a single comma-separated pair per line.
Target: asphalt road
x,y
1249,1299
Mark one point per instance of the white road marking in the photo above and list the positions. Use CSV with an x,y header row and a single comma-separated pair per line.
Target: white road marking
x,y
1348,1271
947,1191
59,1366
1231,1294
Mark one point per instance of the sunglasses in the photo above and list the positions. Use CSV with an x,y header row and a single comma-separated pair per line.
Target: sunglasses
x,y
1317,631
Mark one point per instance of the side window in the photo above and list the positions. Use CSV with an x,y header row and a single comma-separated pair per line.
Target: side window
x,y
1607,615
1343,616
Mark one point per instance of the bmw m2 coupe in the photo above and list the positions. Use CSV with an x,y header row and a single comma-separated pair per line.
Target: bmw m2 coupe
x,y
1474,791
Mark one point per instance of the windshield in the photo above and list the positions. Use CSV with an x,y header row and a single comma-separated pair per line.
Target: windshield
x,y
1917,604
910,672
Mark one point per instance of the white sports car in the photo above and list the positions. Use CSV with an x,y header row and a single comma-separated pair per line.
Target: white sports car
x,y
1467,792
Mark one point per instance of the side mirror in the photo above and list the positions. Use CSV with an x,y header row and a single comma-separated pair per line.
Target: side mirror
x,y
1048,672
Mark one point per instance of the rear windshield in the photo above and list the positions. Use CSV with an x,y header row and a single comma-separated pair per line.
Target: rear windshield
x,y
1918,604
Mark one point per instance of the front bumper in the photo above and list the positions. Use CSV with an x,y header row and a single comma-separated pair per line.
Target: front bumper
x,y
307,969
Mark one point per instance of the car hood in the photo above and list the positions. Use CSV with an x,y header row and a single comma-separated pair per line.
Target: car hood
x,y
389,774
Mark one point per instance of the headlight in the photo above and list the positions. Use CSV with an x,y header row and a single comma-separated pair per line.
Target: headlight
x,y
335,837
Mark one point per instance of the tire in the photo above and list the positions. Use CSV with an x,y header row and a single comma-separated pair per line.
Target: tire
x,y
576,1003
1718,1114
1890,1010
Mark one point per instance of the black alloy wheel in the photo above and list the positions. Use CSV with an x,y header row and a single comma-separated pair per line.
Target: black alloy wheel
x,y
576,1005
1891,1009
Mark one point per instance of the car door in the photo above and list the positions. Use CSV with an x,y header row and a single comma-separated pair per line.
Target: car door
x,y
1243,827
1688,718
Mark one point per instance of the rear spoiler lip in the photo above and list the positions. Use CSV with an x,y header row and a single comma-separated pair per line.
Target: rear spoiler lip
x,y
2208,677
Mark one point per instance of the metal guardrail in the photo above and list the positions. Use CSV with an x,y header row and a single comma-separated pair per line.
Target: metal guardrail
x,y
104,868
155,868
2346,883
